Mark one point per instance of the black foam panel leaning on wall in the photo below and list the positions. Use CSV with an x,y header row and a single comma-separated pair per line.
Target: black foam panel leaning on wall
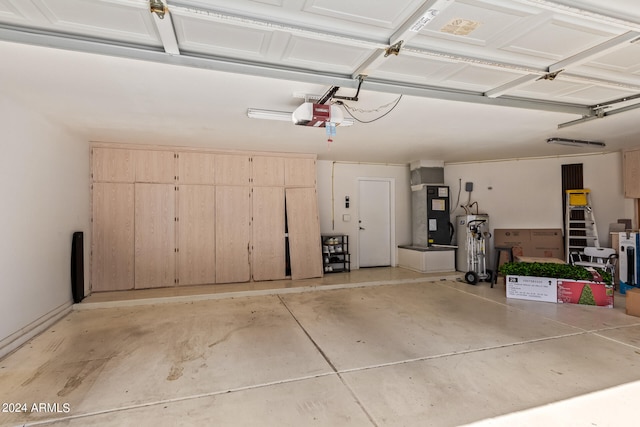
x,y
77,266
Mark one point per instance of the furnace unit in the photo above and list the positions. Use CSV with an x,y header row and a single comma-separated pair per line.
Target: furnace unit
x,y
431,225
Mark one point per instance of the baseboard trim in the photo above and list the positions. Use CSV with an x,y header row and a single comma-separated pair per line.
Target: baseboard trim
x,y
18,338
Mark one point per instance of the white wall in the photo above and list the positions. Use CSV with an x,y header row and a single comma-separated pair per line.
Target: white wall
x,y
343,179
528,193
45,198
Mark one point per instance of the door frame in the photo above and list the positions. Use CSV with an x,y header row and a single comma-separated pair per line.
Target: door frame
x,y
392,217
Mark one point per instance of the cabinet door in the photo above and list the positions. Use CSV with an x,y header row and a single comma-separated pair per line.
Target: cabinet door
x,y
155,166
233,232
112,165
268,171
631,170
299,172
155,235
196,168
232,169
196,234
305,250
112,249
268,244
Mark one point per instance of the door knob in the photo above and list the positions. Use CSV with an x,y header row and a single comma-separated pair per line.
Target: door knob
x,y
362,228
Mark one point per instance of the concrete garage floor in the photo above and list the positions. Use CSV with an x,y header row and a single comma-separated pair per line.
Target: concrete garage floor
x,y
417,351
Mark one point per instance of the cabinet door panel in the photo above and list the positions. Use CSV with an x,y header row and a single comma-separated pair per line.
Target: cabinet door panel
x,y
155,166
299,172
267,171
304,233
155,235
112,260
196,234
631,170
268,245
196,168
233,233
112,165
232,169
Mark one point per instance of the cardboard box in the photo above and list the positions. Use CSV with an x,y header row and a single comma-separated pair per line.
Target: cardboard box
x,y
514,238
633,302
511,236
585,292
534,242
532,288
547,242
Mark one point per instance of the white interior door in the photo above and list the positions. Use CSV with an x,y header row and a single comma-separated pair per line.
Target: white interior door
x,y
374,209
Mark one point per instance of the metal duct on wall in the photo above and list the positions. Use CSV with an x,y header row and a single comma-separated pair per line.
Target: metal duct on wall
x,y
426,172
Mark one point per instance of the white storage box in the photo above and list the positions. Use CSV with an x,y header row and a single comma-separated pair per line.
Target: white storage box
x,y
427,259
532,288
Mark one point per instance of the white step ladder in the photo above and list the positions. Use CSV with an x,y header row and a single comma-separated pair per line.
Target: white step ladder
x,y
580,223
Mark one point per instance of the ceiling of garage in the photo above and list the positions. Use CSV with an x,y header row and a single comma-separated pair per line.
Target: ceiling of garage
x,y
479,79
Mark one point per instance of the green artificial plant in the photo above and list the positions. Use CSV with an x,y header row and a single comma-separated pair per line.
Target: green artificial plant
x,y
556,271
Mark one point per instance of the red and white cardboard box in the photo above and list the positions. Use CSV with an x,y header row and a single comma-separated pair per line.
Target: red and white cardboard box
x,y
585,292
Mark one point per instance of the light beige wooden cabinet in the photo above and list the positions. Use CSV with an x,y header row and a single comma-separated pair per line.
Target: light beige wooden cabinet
x,y
155,166
267,171
631,173
196,234
112,242
196,168
268,242
112,165
155,245
233,234
123,165
231,169
304,232
268,234
169,216
299,172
